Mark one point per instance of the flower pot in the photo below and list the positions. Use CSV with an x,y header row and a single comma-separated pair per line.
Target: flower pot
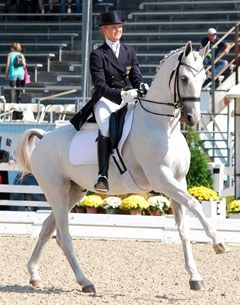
x,y
135,212
111,211
169,211
155,213
233,215
80,210
91,210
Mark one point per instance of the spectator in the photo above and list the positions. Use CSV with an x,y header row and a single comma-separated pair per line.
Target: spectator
x,y
4,158
223,46
29,3
42,8
69,6
8,3
15,71
28,179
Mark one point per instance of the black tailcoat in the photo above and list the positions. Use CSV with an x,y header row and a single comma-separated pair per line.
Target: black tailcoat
x,y
110,75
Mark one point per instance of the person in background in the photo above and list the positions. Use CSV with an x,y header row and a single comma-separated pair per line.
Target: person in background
x,y
42,7
114,68
8,3
222,47
29,6
15,74
4,158
28,179
68,8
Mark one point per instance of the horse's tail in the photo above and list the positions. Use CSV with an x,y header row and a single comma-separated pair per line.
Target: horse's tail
x,y
25,147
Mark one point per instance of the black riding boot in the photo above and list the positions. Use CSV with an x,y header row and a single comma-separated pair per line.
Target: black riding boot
x,y
104,150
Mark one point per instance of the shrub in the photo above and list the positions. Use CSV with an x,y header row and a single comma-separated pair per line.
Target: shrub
x,y
199,174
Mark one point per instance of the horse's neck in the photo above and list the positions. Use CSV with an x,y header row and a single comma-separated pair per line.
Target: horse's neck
x,y
162,115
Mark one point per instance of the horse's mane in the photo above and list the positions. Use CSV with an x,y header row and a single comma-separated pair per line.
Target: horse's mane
x,y
166,57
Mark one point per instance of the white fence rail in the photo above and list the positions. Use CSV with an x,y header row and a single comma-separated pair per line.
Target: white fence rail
x,y
20,189
159,228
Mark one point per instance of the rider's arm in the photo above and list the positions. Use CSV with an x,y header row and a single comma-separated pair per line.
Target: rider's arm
x,y
99,79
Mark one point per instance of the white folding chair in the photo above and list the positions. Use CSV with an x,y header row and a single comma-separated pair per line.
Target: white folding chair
x,y
56,112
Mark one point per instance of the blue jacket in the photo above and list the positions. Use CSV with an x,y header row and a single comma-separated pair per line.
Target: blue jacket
x,y
219,48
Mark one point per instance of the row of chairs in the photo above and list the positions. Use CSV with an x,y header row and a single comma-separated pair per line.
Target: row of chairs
x,y
36,113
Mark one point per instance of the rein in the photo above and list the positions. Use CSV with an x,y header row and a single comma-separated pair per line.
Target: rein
x,y
178,100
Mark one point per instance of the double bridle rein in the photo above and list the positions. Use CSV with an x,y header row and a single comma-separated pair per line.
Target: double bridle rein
x,y
178,100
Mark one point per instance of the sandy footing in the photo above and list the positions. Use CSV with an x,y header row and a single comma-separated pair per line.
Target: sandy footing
x,y
124,273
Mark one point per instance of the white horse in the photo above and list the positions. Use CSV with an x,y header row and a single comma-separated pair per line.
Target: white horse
x,y
155,153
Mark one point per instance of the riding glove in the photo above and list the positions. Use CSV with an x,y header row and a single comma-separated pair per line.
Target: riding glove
x,y
129,96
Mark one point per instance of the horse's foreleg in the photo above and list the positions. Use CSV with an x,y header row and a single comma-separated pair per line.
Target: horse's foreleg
x,y
195,281
175,190
64,240
46,232
219,244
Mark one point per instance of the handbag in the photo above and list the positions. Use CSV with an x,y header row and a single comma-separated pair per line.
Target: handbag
x,y
26,77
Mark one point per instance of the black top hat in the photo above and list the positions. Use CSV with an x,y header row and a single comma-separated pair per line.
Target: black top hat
x,y
113,17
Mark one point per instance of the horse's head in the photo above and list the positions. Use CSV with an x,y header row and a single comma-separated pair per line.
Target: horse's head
x,y
186,81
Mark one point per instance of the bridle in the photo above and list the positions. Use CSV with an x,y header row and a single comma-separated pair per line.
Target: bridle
x,y
178,100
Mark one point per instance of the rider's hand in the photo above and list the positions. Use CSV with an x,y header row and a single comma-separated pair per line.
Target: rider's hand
x,y
143,89
129,96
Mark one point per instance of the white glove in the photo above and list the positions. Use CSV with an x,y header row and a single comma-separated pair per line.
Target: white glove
x,y
129,96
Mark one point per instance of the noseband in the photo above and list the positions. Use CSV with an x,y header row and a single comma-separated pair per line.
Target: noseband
x,y
178,100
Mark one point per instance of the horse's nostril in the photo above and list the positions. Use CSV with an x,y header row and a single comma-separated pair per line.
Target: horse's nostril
x,y
190,118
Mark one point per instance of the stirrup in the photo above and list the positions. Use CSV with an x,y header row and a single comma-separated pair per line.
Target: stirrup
x,y
101,185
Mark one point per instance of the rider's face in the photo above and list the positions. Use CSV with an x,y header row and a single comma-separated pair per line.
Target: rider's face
x,y
113,32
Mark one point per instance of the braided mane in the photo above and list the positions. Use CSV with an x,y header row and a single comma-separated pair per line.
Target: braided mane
x,y
167,56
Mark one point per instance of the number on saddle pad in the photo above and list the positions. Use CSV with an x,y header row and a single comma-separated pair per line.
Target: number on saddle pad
x,y
18,61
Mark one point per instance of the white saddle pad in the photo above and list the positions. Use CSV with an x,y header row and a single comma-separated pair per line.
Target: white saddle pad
x,y
83,147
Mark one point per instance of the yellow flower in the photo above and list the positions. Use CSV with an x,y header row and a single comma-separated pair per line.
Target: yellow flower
x,y
93,201
134,202
233,206
203,193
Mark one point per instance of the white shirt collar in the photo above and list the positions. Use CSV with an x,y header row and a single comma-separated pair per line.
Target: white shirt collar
x,y
112,44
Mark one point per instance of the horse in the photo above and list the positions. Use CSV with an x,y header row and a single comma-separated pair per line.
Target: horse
x,y
155,153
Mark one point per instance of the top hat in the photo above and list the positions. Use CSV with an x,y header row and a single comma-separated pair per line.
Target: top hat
x,y
112,17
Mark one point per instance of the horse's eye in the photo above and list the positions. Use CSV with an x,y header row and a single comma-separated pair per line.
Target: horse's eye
x,y
184,79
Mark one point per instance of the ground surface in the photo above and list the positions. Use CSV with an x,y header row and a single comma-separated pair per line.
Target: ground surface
x,y
124,273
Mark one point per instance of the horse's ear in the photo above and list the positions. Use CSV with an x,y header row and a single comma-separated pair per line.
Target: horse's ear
x,y
203,52
188,49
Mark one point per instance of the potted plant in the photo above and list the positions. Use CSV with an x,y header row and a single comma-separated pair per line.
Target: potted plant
x,y
80,208
92,202
111,204
158,205
135,204
233,209
211,203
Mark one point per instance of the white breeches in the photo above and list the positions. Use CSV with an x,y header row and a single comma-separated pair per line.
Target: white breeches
x,y
102,110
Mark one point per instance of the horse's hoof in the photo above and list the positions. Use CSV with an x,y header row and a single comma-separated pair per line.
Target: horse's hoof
x,y
36,283
221,248
197,285
89,289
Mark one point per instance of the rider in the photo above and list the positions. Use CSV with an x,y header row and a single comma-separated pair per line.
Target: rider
x,y
112,66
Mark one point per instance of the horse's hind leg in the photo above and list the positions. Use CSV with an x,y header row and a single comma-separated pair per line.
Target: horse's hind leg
x,y
46,232
195,281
